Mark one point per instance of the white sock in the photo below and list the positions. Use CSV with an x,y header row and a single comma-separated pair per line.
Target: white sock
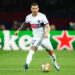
x,y
29,57
53,58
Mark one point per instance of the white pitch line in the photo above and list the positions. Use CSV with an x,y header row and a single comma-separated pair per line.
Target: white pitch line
x,y
35,69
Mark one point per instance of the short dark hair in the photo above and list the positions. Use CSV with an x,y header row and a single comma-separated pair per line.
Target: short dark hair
x,y
34,4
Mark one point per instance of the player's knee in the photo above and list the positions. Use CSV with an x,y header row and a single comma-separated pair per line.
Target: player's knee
x,y
33,48
50,52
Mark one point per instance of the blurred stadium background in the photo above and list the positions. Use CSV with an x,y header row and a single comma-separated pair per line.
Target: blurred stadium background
x,y
61,16
60,13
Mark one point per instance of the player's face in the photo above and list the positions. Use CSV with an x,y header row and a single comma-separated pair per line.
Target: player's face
x,y
35,9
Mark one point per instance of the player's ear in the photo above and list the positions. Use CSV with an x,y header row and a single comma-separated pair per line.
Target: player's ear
x,y
31,9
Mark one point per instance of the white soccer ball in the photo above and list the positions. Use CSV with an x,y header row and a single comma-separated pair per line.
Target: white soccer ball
x,y
45,67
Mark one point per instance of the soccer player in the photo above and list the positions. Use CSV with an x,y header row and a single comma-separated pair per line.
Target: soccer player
x,y
41,28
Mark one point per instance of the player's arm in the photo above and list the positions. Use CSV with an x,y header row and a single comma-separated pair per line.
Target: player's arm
x,y
24,24
46,23
47,31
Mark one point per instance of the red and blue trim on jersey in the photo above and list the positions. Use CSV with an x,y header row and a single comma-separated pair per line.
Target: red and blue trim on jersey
x,y
38,25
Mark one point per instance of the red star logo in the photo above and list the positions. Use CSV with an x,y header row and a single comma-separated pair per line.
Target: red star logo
x,y
64,41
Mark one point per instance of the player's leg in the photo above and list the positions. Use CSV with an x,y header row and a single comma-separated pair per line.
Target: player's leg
x,y
29,57
46,43
53,58
34,45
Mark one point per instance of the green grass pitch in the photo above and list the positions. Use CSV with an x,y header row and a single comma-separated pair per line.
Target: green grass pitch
x,y
12,63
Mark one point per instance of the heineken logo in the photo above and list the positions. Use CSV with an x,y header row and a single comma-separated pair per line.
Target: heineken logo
x,y
59,39
64,40
8,40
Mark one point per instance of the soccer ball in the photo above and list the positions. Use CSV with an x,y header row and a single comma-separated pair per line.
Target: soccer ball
x,y
45,67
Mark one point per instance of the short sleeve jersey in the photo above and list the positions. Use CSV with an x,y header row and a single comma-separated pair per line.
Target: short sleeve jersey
x,y
37,23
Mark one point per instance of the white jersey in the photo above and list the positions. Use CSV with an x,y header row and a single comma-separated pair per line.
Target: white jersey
x,y
37,24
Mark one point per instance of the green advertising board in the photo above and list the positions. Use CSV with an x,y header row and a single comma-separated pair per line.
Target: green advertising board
x,y
60,40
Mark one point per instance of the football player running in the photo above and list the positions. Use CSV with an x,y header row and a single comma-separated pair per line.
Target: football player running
x,y
41,28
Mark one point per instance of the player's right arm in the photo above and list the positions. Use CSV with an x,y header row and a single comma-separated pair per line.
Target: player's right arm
x,y
24,24
16,33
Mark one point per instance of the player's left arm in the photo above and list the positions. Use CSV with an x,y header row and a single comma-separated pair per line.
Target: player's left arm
x,y
47,31
46,23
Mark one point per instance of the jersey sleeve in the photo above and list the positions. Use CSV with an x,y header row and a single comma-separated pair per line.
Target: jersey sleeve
x,y
45,20
26,20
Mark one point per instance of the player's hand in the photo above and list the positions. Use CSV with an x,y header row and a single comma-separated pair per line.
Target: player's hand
x,y
46,35
16,33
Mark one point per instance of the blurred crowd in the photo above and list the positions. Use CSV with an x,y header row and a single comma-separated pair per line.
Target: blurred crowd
x,y
16,24
2,27
54,8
